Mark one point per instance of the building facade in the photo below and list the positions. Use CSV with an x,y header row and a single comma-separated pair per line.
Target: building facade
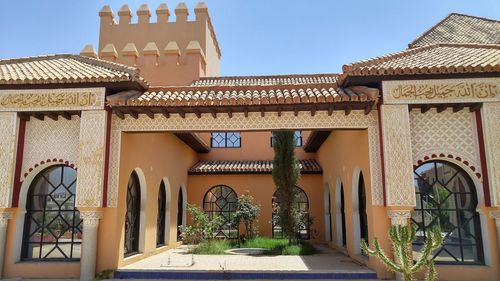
x,y
101,152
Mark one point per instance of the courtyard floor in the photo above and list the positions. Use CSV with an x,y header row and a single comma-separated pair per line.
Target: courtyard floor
x,y
179,259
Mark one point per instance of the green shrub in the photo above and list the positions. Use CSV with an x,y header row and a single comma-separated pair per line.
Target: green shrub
x,y
247,213
202,228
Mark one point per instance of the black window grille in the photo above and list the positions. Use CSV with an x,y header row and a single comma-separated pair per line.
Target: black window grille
x,y
342,214
225,139
297,136
222,201
303,206
180,212
363,217
132,217
160,220
446,196
52,226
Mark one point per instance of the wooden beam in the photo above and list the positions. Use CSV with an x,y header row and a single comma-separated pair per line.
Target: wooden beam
x,y
368,109
347,110
150,114
475,107
165,113
458,107
39,116
230,113
441,108
66,115
119,113
330,110
279,111
313,110
214,113
133,114
245,110
295,111
425,108
197,113
52,115
262,112
24,116
182,113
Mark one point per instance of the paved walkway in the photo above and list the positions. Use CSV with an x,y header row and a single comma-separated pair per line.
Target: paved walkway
x,y
179,259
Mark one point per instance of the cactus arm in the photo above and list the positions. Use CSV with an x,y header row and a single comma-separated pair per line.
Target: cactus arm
x,y
383,257
366,249
431,274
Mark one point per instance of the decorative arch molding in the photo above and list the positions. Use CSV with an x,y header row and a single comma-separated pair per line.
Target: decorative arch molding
x,y
168,202
328,212
340,226
355,210
448,155
54,161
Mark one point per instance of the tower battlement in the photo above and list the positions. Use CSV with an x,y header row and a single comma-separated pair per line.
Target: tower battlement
x,y
168,52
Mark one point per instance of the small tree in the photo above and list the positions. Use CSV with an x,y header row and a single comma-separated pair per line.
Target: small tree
x,y
286,173
247,213
202,228
402,238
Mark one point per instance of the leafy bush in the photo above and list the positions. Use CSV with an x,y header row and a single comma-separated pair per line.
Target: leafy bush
x,y
247,213
202,228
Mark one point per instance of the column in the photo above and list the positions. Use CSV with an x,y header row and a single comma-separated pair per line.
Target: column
x,y
399,217
496,216
398,159
490,114
89,244
4,219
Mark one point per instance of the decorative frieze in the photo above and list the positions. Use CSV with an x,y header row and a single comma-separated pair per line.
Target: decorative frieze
x,y
90,218
491,129
4,218
442,91
254,121
50,139
445,133
399,217
8,140
397,155
52,99
495,215
91,156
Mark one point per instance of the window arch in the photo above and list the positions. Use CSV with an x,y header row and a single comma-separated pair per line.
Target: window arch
x,y
160,219
303,205
222,201
328,214
52,226
132,217
180,212
342,214
446,196
363,217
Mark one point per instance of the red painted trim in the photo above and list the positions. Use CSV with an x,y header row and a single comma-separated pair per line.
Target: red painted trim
x,y
482,154
19,162
381,148
106,159
450,156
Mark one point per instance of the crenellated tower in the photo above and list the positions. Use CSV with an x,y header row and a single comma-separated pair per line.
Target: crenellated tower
x,y
167,52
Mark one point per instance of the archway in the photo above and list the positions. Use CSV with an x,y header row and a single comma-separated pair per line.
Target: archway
x,y
328,213
340,214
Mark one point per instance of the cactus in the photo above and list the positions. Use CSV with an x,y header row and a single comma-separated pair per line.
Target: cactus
x,y
402,238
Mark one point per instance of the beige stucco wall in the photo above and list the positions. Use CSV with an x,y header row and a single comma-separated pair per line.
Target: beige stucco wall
x,y
262,188
340,155
158,156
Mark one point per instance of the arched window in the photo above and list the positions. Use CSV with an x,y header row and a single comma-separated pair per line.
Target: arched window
x,y
446,196
222,201
132,217
342,213
303,206
328,214
363,218
180,212
160,219
52,226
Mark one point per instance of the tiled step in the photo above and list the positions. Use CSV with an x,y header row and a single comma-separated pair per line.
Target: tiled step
x,y
238,275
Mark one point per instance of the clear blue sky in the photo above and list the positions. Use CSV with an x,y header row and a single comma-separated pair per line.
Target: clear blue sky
x,y
256,36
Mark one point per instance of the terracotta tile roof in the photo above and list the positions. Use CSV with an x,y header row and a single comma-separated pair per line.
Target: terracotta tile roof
x,y
297,79
458,28
248,167
433,59
248,96
66,68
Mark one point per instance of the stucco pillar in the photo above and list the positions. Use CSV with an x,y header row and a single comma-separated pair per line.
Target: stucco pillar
x,y
399,217
398,160
496,216
89,244
9,124
490,114
4,219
